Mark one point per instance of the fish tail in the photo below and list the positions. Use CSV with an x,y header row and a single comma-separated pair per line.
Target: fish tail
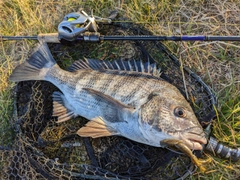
x,y
36,67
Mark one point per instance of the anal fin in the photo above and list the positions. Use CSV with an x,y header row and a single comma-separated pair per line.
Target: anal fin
x,y
59,108
96,128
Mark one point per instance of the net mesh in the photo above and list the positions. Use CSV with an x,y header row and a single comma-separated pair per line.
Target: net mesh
x,y
44,149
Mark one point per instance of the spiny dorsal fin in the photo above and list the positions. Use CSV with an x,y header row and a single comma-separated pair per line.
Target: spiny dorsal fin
x,y
132,65
96,128
59,108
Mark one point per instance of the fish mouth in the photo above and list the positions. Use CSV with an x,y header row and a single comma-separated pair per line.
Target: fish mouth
x,y
193,141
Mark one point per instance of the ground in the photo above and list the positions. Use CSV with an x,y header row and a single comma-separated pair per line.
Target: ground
x,y
217,63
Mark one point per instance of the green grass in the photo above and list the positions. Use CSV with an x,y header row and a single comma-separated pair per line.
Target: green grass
x,y
218,63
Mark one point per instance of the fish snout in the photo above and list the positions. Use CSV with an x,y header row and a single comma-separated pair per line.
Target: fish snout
x,y
194,140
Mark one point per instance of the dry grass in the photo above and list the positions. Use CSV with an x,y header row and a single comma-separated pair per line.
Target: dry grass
x,y
218,63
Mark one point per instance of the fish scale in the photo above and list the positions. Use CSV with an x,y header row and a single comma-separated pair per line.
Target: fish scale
x,y
126,98
106,84
123,88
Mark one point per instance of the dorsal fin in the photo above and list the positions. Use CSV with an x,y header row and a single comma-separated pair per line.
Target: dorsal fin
x,y
132,65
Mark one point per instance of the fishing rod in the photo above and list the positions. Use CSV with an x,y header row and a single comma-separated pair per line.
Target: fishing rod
x,y
80,26
95,37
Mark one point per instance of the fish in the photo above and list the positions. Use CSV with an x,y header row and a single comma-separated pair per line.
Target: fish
x,y
122,98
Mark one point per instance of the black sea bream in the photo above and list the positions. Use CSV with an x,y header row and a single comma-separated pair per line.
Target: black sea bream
x,y
126,98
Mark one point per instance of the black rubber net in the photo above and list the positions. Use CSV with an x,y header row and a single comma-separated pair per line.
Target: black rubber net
x,y
44,149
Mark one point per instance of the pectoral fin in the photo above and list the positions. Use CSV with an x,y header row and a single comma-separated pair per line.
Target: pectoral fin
x,y
59,108
113,110
108,99
96,128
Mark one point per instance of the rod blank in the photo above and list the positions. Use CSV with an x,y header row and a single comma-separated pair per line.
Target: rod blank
x,y
173,38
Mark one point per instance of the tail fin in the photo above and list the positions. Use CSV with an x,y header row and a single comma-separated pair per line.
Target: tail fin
x,y
36,67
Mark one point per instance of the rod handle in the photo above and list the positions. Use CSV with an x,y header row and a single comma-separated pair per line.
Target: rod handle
x,y
49,38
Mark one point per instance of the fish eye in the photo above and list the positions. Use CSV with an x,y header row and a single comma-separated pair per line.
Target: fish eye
x,y
179,112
